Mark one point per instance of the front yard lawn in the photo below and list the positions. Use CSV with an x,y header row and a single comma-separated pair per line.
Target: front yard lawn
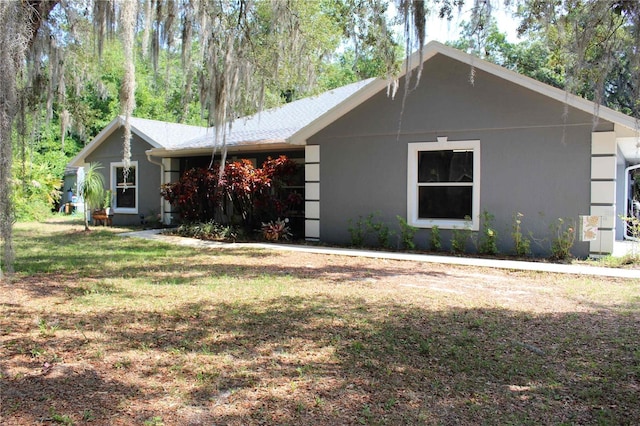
x,y
102,330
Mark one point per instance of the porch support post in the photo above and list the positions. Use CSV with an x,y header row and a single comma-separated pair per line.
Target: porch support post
x,y
171,175
603,191
312,192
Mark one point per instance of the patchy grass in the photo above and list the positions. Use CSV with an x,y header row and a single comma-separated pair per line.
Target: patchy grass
x,y
631,260
102,330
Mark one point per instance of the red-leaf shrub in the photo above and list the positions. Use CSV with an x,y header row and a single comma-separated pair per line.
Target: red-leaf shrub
x,y
245,193
196,194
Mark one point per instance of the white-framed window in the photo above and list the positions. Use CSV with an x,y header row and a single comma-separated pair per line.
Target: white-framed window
x,y
443,184
125,188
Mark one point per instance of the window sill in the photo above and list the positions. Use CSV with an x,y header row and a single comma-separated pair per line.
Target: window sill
x,y
445,224
125,211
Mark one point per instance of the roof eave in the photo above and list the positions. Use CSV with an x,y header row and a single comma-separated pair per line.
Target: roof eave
x,y
248,146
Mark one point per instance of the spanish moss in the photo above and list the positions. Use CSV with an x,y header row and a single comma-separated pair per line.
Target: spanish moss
x,y
127,93
12,53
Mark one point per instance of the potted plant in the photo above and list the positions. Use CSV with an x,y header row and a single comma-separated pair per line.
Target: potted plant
x,y
106,204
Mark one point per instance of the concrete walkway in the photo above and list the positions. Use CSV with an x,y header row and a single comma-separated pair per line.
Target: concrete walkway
x,y
155,234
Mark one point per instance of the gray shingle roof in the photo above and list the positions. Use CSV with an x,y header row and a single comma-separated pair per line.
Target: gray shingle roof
x,y
275,125
167,135
272,126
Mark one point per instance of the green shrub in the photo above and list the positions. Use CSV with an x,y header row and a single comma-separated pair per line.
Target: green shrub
x,y
361,229
435,239
460,236
207,231
563,237
522,245
35,190
357,231
407,234
384,234
488,240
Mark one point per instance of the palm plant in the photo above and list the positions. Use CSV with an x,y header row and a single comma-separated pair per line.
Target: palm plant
x,y
91,189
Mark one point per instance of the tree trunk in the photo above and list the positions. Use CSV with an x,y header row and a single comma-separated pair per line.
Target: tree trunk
x,y
19,22
6,210
11,51
86,218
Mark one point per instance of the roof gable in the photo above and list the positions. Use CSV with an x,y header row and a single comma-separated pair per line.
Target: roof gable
x,y
158,134
628,124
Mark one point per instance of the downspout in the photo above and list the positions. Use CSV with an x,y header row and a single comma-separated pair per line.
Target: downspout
x,y
161,183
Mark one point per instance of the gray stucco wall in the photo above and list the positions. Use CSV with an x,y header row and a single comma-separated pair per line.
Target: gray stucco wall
x,y
111,151
534,158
